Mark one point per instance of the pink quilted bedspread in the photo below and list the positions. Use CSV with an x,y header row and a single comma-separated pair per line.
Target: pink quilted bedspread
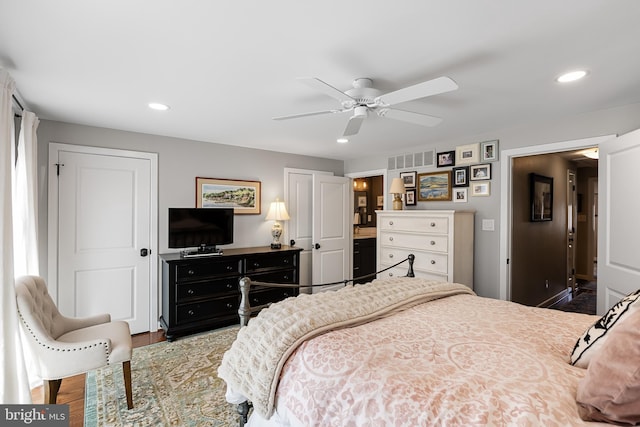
x,y
458,361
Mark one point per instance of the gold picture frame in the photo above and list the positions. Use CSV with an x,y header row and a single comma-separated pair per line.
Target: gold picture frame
x,y
242,196
434,186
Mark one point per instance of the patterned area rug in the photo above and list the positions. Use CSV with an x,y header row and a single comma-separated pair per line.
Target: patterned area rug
x,y
174,384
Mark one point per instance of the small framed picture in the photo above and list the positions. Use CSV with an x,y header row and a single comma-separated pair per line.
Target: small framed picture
x,y
541,197
408,179
489,151
467,154
434,186
480,172
461,176
380,200
482,188
410,197
460,195
362,201
446,158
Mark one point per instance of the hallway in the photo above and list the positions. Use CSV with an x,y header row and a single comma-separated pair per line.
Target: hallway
x,y
585,299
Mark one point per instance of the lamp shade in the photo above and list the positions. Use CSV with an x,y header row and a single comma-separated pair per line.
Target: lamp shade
x,y
397,186
277,211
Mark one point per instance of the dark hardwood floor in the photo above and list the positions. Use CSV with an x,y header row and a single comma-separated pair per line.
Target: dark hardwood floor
x,y
72,389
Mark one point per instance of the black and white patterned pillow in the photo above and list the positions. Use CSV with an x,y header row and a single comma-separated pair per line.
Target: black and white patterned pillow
x,y
594,337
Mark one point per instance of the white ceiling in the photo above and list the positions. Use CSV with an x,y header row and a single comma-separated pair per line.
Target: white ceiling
x,y
227,67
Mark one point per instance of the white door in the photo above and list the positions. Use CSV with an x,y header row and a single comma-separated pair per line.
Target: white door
x,y
104,236
299,201
332,239
618,230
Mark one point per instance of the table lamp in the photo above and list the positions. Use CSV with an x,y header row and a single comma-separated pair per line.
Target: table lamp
x,y
397,188
277,212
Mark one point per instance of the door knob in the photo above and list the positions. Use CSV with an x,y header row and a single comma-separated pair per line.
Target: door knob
x,y
317,246
292,242
144,252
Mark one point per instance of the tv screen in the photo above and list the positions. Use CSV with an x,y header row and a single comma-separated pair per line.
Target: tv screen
x,y
200,227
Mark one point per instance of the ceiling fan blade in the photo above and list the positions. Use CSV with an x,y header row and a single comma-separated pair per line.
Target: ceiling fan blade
x,y
326,88
353,125
314,113
409,116
421,90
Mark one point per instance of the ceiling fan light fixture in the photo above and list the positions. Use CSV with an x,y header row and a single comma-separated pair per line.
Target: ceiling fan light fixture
x,y
571,76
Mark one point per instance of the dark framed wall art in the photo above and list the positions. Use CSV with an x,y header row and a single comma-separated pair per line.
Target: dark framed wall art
x,y
541,197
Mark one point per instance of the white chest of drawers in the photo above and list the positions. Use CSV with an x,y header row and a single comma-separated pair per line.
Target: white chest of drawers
x,y
441,240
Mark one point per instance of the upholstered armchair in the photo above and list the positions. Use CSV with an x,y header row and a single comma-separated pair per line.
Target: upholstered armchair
x,y
63,346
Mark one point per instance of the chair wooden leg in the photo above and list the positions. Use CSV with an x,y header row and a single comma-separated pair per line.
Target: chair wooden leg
x,y
51,388
126,369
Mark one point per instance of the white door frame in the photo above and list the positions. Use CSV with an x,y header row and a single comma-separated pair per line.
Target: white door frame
x,y
52,225
505,196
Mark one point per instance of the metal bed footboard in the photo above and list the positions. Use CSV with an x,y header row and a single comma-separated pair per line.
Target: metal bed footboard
x,y
245,310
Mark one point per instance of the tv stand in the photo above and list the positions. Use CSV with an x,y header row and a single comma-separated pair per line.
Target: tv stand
x,y
201,292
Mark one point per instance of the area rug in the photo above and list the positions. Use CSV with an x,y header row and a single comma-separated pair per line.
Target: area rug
x,y
174,384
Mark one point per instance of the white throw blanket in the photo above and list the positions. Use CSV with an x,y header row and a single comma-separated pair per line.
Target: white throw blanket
x,y
253,364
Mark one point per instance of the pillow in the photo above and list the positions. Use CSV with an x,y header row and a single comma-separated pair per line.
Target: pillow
x,y
594,337
610,391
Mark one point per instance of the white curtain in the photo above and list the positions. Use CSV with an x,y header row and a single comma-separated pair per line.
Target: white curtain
x,y
14,386
25,200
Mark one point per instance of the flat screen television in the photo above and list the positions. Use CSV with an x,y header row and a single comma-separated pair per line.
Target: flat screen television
x,y
202,228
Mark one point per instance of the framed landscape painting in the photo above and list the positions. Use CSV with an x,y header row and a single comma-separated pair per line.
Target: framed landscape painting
x,y
242,196
434,186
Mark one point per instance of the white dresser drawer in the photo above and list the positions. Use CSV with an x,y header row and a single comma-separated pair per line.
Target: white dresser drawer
x,y
416,224
428,242
428,261
402,270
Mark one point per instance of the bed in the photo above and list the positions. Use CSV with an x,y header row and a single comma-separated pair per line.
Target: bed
x,y
407,352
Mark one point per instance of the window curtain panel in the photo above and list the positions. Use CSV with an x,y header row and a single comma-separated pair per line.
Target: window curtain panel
x,y
14,386
25,199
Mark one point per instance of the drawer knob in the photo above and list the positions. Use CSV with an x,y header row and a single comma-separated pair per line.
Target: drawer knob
x,y
191,272
229,286
286,261
390,222
390,274
229,305
433,242
285,277
433,224
391,238
390,255
255,300
191,292
286,294
190,313
433,261
229,267
256,265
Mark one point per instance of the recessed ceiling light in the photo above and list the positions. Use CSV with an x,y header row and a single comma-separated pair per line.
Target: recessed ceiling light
x,y
158,106
571,76
342,140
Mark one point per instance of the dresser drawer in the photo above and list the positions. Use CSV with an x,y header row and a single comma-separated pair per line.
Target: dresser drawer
x,y
203,270
402,270
416,224
281,276
267,296
429,242
428,261
194,290
265,262
187,313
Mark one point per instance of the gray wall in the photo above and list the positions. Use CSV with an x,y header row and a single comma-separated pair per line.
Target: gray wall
x,y
179,162
487,243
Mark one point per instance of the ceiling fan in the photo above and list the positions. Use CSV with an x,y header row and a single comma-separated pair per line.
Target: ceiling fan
x,y
363,97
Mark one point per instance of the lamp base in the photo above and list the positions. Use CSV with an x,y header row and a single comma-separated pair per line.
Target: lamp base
x,y
397,203
276,246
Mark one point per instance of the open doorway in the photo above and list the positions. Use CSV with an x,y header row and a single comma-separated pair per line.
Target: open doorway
x,y
511,189
368,196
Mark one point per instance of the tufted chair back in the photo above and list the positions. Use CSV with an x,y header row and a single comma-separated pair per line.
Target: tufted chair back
x,y
62,346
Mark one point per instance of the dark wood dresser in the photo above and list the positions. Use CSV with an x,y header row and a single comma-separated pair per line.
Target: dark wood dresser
x,y
201,293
